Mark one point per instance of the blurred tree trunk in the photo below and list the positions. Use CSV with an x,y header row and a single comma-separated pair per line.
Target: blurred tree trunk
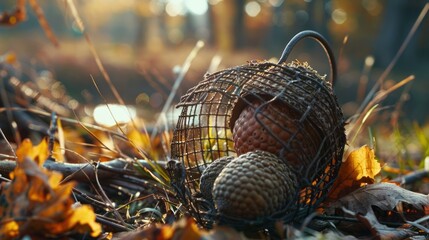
x,y
399,17
239,27
228,25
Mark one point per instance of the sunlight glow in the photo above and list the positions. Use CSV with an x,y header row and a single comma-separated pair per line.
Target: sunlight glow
x,y
122,114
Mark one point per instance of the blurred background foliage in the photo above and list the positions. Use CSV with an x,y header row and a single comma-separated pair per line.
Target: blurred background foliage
x,y
143,43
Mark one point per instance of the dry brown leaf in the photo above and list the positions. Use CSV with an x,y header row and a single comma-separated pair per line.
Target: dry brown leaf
x,y
372,203
34,203
385,196
381,231
359,169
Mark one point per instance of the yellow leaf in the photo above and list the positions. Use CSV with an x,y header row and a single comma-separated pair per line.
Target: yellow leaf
x,y
38,153
359,169
83,220
41,152
24,149
9,230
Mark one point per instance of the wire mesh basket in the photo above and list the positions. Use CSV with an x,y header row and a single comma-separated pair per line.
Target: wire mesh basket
x,y
294,115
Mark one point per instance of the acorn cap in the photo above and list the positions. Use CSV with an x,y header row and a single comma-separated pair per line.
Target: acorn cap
x,y
210,174
253,186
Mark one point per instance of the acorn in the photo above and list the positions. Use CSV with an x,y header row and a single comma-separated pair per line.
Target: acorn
x,y
210,174
275,127
253,186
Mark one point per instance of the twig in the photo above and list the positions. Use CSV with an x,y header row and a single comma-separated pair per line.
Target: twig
x,y
88,199
104,195
111,223
82,171
51,134
353,219
411,177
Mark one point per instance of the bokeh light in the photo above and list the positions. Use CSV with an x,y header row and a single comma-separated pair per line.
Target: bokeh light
x,y
339,16
175,8
199,7
252,8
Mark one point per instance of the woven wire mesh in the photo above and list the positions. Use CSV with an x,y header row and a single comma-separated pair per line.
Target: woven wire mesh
x,y
315,141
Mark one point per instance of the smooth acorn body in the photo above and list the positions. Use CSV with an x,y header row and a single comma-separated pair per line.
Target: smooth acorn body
x,y
276,128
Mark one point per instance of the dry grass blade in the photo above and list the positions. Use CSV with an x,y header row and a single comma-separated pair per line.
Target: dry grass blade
x,y
42,20
94,53
100,65
364,78
365,117
179,79
5,99
340,54
396,57
92,134
9,145
378,97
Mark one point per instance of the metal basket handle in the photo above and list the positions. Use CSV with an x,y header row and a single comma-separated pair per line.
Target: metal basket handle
x,y
321,40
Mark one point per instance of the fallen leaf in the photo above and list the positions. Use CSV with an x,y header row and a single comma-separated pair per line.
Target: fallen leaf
x,y
368,226
359,169
381,231
385,196
382,202
35,204
38,153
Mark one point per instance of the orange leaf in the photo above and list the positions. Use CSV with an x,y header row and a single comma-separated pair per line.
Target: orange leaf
x,y
43,206
38,153
359,169
24,149
81,219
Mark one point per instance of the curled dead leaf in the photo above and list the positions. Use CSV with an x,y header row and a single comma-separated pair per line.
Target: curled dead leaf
x,y
359,169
